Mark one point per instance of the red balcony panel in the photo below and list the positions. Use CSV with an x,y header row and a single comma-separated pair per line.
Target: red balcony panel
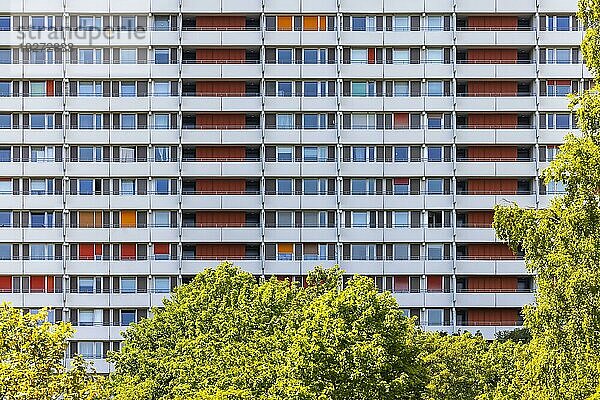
x,y
489,251
220,219
480,22
492,153
497,55
492,317
480,218
491,88
494,121
215,153
5,283
221,88
221,55
214,22
492,284
220,251
434,283
220,186
220,121
400,120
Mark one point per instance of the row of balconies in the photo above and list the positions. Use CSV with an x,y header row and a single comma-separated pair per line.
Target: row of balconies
x,y
289,202
294,38
287,136
273,104
513,168
290,6
246,234
242,70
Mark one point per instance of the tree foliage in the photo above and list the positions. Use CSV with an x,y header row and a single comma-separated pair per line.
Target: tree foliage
x,y
225,336
31,361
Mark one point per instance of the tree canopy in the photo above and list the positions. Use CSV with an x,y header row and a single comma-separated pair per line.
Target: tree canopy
x,y
32,352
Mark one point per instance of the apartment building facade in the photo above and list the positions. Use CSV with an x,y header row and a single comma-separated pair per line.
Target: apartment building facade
x,y
145,140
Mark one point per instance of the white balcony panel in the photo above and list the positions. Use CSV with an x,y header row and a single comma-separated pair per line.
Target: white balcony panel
x,y
362,267
516,300
319,104
87,235
514,38
283,267
438,201
560,38
361,136
318,169
376,71
127,202
433,70
404,267
38,104
475,202
361,169
48,235
556,6
164,267
557,103
156,299
439,103
438,234
193,267
318,202
9,234
309,265
126,234
356,234
125,136
361,202
555,136
48,202
42,169
282,38
43,267
87,300
364,104
273,169
490,267
358,6
351,38
404,202
83,136
85,169
88,71
164,103
437,136
438,168
319,235
129,104
318,38
39,300
470,6
127,169
77,202
404,104
9,201
285,235
405,169
316,71
404,136
137,300
402,234
410,300
38,71
282,201
438,38
282,103
163,38
438,300
97,332
475,38
475,235
164,71
560,71
42,136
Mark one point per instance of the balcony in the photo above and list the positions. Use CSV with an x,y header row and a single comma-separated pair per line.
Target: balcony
x,y
297,136
496,102
222,102
520,134
221,69
501,69
496,167
221,200
486,200
480,266
223,168
195,266
495,36
494,298
221,36
249,135
222,233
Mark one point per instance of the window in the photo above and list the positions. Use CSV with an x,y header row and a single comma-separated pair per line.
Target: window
x,y
313,153
401,219
162,219
314,219
401,186
434,153
435,317
161,121
127,187
315,186
362,186
360,219
363,89
5,89
284,154
128,285
5,219
5,154
311,89
86,285
435,23
86,317
162,284
42,121
90,23
363,121
6,186
435,186
556,187
284,89
128,121
126,154
161,186
42,154
86,186
128,89
314,121
161,56
401,153
127,317
284,186
400,23
5,56
434,121
38,23
90,349
363,154
162,23
434,251
285,219
285,121
363,252
359,23
128,56
38,186
401,251
559,56
435,88
315,56
4,23
563,121
162,154
558,88
284,56
359,56
401,89
563,22
162,89
42,220
90,121
401,56
37,89
435,56
90,89
5,251
128,23
90,56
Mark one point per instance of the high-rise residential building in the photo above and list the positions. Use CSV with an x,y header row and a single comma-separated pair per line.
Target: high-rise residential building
x,y
144,140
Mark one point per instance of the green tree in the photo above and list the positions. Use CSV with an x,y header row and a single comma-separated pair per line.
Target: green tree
x,y
226,336
562,246
32,352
